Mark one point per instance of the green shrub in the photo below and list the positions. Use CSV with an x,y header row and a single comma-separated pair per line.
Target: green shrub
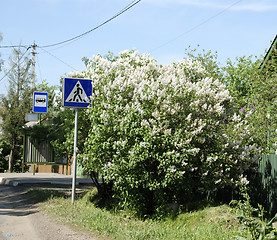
x,y
161,135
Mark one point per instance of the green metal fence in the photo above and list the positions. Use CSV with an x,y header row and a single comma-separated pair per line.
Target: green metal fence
x,y
37,153
268,171
40,154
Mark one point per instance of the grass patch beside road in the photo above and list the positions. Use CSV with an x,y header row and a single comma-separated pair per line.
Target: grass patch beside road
x,y
215,223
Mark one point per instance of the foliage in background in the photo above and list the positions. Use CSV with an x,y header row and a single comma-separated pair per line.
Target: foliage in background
x,y
16,104
266,103
4,153
251,87
53,124
253,91
162,134
241,77
208,59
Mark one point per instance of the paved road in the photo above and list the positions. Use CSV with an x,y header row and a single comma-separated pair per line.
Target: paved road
x,y
21,219
13,205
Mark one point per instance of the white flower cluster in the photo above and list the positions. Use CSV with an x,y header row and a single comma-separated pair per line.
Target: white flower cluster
x,y
174,101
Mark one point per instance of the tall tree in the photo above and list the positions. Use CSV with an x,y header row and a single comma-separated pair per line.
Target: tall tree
x,y
17,101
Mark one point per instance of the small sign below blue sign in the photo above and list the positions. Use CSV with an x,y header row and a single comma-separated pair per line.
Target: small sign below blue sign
x,y
40,103
77,92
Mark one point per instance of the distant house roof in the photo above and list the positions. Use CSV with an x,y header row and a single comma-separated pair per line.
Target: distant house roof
x,y
272,51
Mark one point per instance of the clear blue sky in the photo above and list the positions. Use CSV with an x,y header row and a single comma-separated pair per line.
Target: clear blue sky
x,y
163,28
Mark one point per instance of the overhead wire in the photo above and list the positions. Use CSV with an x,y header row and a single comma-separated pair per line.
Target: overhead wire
x,y
14,46
39,68
14,65
57,58
196,26
126,8
123,10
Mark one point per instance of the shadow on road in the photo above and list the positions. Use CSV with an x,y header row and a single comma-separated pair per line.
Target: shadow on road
x,y
15,201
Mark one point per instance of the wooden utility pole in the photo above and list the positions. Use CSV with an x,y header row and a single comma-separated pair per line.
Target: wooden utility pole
x,y
33,65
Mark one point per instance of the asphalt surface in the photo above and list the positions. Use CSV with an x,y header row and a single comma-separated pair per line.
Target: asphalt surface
x,y
20,219
11,204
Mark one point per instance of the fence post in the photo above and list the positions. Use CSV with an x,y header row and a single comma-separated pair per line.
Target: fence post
x,y
24,151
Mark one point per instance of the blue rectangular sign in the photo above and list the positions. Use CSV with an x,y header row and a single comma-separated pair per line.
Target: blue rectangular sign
x,y
77,92
40,102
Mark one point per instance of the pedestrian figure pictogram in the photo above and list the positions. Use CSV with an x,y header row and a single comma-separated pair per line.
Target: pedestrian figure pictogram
x,y
77,94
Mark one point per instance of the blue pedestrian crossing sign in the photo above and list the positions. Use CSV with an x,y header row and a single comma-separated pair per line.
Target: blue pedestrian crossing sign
x,y
77,92
40,102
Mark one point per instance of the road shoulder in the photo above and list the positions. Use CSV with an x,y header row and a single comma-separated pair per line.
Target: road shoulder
x,y
22,219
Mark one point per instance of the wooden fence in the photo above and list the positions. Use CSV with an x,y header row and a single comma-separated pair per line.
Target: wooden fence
x,y
41,158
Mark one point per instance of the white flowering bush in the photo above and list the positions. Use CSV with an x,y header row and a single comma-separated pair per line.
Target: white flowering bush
x,y
162,134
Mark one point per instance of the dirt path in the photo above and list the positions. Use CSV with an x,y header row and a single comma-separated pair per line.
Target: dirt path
x,y
20,219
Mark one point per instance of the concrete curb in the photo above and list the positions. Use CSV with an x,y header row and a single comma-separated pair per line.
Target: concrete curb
x,y
21,179
5,181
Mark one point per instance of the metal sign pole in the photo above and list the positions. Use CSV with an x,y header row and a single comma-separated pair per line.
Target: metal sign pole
x,y
74,155
76,94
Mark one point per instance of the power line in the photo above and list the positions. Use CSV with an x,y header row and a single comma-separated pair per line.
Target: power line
x,y
39,68
15,64
14,46
129,6
197,26
58,59
123,10
126,8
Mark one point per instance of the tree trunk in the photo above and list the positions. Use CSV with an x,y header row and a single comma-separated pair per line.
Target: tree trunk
x,y
11,156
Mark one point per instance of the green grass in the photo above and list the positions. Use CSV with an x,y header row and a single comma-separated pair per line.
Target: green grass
x,y
215,223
